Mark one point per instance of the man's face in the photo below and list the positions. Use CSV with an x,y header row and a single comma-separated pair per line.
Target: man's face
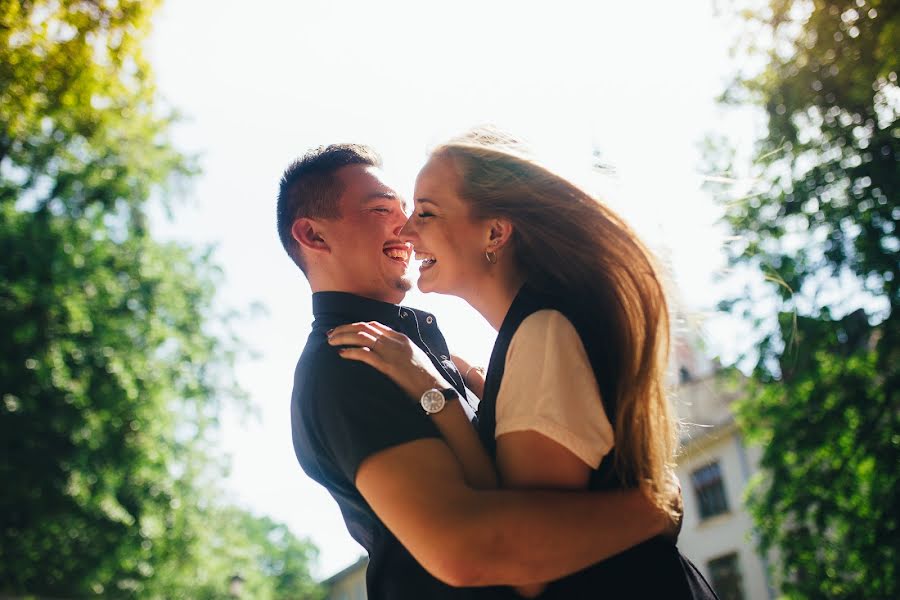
x,y
367,257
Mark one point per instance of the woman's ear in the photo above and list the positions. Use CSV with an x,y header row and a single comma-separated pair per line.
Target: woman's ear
x,y
307,233
499,234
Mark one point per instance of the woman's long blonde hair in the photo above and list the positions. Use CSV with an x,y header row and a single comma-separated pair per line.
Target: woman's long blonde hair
x,y
565,240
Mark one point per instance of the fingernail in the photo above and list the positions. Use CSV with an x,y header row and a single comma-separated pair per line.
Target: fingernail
x,y
329,332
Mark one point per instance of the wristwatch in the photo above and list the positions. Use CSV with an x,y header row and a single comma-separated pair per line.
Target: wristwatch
x,y
434,400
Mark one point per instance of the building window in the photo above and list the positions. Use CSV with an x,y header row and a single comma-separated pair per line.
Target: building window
x,y
710,490
725,577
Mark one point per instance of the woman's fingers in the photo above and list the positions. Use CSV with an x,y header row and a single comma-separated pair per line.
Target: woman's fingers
x,y
363,355
360,326
354,328
390,352
385,329
353,338
363,334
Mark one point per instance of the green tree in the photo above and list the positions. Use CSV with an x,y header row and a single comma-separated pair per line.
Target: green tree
x,y
273,563
819,225
111,377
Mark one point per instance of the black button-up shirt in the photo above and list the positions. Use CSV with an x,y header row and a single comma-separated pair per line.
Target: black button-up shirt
x,y
343,411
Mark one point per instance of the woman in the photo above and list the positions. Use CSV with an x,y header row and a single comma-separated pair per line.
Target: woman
x,y
574,394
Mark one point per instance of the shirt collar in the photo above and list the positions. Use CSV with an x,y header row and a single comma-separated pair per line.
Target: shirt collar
x,y
353,307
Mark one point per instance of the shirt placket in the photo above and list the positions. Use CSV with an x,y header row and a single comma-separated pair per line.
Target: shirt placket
x,y
427,343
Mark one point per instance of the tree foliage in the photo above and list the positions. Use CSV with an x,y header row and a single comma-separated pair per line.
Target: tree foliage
x,y
819,225
110,377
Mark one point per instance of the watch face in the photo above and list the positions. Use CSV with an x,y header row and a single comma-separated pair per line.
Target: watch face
x,y
432,401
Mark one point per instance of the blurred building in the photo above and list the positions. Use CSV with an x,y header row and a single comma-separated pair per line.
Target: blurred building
x,y
348,584
714,466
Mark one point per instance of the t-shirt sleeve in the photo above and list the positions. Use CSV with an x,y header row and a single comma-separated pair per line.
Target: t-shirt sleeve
x,y
354,411
549,387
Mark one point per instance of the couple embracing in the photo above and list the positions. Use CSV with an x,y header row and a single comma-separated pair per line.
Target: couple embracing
x,y
560,485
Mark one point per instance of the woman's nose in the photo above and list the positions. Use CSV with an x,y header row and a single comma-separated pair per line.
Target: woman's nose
x,y
408,230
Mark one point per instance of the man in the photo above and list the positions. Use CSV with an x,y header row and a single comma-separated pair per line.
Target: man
x,y
403,495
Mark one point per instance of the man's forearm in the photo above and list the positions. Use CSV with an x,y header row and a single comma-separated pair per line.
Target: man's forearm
x,y
468,537
522,537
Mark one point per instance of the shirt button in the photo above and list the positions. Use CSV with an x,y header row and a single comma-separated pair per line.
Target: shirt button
x,y
444,357
429,319
404,314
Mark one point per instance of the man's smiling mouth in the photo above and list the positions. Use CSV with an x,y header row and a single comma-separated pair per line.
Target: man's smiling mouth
x,y
397,253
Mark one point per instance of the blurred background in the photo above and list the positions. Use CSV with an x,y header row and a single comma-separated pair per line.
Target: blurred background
x,y
150,321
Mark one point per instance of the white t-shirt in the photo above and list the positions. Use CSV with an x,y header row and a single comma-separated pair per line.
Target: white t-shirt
x,y
549,387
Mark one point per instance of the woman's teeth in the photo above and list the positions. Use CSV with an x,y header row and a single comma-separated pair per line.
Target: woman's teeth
x,y
427,260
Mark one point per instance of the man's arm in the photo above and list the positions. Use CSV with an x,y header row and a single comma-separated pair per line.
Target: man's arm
x,y
468,537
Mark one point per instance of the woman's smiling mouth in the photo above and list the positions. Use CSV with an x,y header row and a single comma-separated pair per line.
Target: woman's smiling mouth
x,y
428,260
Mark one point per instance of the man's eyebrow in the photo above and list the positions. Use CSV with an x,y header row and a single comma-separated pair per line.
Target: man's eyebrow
x,y
381,196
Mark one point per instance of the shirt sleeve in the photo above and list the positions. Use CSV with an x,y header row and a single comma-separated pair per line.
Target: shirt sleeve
x,y
354,411
549,387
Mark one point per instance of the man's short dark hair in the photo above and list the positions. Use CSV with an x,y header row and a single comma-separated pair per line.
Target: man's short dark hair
x,y
309,188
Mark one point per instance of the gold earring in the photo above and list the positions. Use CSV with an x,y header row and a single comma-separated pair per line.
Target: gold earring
x,y
491,256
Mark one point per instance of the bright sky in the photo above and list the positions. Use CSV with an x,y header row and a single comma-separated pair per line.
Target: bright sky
x,y
260,82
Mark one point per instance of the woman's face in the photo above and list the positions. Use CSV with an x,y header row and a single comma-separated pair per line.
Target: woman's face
x,y
449,243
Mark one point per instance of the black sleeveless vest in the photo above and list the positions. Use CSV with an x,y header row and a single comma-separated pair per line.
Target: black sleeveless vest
x,y
597,343
652,569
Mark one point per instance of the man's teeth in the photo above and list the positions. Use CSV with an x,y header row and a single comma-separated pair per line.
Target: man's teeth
x,y
397,253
